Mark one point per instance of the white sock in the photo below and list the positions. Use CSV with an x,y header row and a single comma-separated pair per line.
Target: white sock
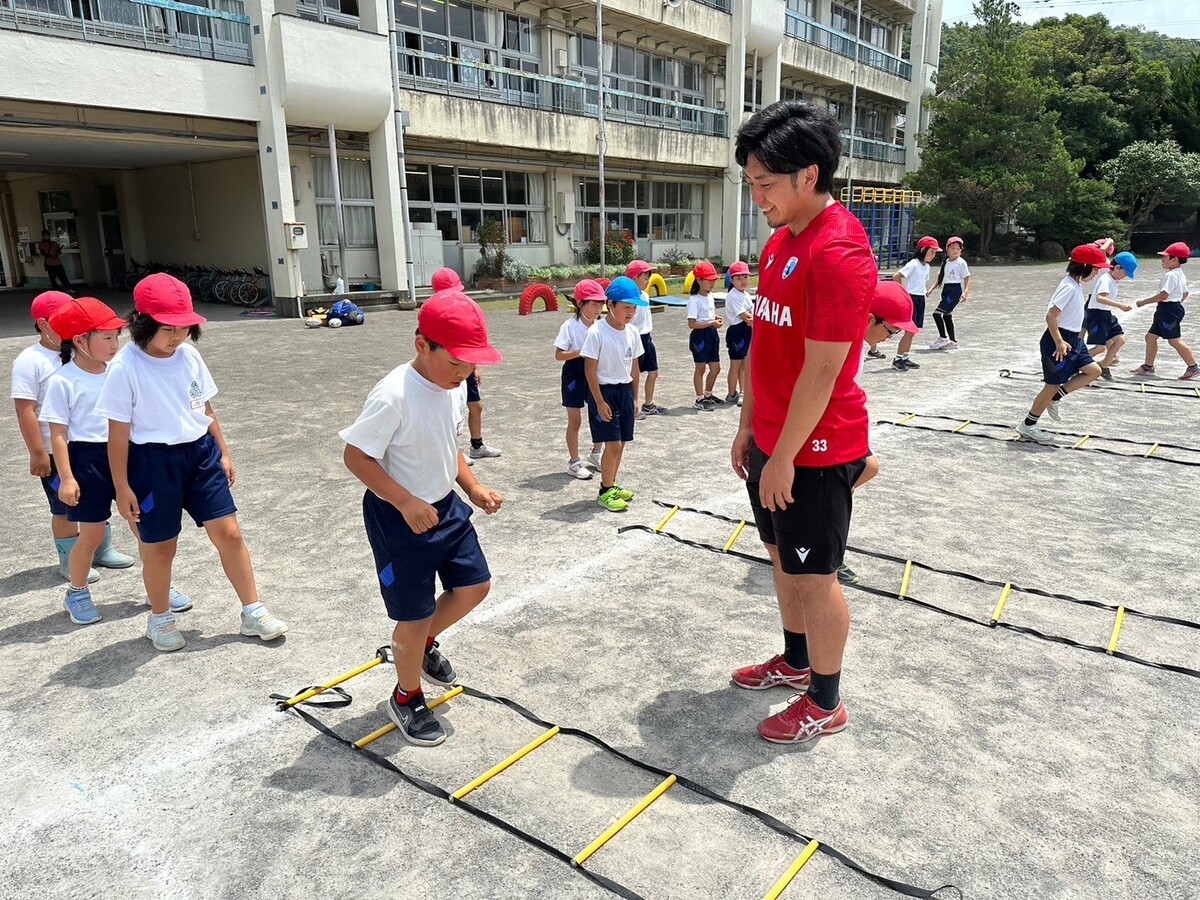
x,y
252,608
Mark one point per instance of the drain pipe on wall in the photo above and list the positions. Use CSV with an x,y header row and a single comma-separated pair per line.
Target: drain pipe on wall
x,y
337,205
401,124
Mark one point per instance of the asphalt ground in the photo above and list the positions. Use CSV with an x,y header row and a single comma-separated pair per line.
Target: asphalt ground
x,y
986,758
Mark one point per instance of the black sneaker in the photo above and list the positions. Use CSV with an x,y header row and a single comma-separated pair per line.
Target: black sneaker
x,y
898,365
847,575
909,364
1106,374
437,668
712,398
710,403
416,721
876,354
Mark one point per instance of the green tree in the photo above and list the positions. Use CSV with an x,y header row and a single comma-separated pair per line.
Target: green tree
x,y
1146,175
1081,211
1156,45
1183,103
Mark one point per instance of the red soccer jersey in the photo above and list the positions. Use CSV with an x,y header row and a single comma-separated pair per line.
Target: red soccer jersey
x,y
816,285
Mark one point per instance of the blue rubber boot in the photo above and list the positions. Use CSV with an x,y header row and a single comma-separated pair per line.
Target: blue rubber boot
x,y
108,556
64,545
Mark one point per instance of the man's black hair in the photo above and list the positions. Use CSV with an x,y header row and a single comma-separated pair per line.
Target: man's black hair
x,y
789,136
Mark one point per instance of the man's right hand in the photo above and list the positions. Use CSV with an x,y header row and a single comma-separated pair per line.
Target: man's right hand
x,y
739,454
419,515
39,464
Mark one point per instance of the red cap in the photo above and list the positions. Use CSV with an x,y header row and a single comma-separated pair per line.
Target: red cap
x,y
927,243
45,303
954,240
638,267
445,279
739,268
84,315
1108,245
1179,250
589,289
166,300
705,271
455,321
1091,255
893,304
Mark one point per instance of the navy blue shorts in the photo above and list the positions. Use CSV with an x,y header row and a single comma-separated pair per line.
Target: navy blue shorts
x,y
472,389
1102,326
705,344
951,295
407,563
574,384
648,361
1167,319
619,397
737,340
171,478
918,309
50,486
89,465
1056,371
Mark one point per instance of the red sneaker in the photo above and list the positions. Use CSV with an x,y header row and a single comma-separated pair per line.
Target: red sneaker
x,y
802,721
775,672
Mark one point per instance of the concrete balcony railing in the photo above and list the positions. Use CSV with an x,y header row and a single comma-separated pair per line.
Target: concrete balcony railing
x,y
805,29
873,149
221,33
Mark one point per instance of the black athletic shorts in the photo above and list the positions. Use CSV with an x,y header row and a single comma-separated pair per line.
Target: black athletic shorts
x,y
811,532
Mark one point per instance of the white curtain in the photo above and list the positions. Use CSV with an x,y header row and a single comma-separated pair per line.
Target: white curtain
x,y
537,201
358,207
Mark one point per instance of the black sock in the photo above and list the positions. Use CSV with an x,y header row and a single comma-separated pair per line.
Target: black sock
x,y
824,690
408,697
1031,419
940,322
604,488
476,443
949,319
1062,392
795,649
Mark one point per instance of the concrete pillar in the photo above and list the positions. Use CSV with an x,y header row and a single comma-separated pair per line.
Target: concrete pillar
x,y
772,72
926,48
373,16
729,238
389,222
129,203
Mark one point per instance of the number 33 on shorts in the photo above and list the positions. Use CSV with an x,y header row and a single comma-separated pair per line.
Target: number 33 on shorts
x,y
820,445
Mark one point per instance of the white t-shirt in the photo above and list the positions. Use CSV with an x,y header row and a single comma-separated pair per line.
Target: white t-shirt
x,y
571,334
614,351
1174,283
916,277
412,426
162,399
956,271
31,372
702,308
1102,284
71,399
642,320
1068,297
736,303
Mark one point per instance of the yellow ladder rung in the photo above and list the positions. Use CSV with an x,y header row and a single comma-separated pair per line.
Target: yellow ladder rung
x,y
1150,452
501,766
667,518
616,826
1116,632
1143,387
737,533
345,676
786,878
907,419
1079,443
391,726
962,426
1000,606
907,576
1197,390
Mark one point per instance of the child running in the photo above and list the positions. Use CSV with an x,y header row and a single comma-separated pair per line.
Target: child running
x,y
954,279
647,364
611,346
703,340
588,301
404,448
740,310
167,454
1104,332
915,278
1168,315
1067,365
90,334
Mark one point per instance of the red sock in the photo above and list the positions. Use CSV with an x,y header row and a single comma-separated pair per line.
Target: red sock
x,y
429,642
403,696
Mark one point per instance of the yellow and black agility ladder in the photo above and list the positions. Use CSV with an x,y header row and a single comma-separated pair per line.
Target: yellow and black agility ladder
x,y
330,695
1007,588
1154,389
1147,449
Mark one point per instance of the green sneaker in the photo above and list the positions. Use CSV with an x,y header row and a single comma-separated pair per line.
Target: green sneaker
x,y
612,501
624,494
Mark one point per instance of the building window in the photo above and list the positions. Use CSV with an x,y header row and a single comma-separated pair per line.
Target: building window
x,y
649,210
871,32
460,198
646,75
358,201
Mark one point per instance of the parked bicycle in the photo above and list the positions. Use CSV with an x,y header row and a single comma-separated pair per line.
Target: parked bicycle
x,y
207,284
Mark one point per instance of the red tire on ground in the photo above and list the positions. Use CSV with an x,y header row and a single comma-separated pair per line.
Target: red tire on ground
x,y
534,292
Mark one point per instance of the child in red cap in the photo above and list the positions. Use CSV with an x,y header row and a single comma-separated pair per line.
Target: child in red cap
x,y
740,310
31,372
167,455
703,341
90,334
1168,314
646,364
588,300
404,448
914,275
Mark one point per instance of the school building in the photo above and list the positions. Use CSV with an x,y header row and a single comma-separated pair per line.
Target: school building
x,y
231,133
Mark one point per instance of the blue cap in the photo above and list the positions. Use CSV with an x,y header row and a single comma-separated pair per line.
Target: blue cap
x,y
623,289
1126,261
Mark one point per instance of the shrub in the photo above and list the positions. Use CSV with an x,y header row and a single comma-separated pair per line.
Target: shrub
x,y
516,270
619,248
492,252
673,256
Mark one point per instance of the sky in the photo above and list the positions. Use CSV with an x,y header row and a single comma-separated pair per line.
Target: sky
x,y
1177,18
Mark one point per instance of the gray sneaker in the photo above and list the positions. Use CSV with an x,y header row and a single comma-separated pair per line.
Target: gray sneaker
x,y
416,722
437,668
162,632
1035,433
1054,411
484,452
262,624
